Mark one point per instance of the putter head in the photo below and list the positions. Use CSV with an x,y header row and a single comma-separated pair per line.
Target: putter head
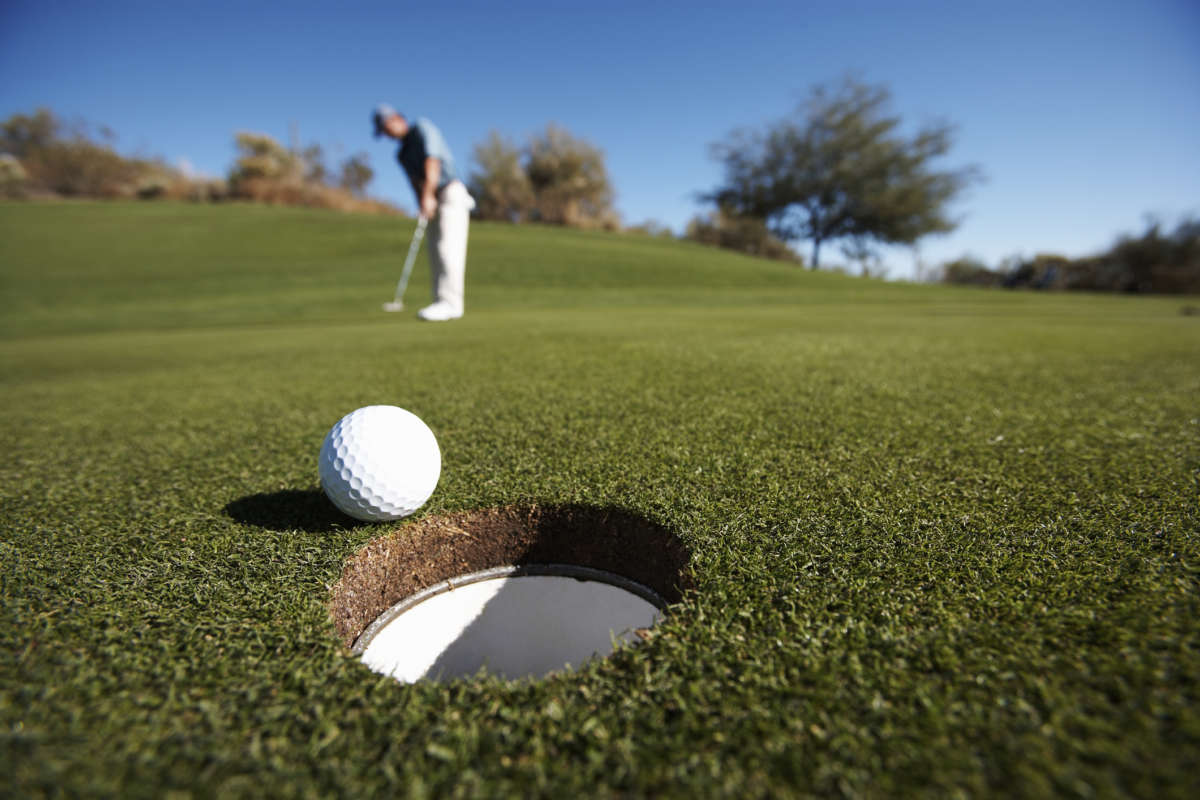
x,y
394,305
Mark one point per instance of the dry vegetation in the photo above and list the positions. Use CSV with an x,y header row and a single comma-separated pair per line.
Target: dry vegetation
x,y
556,178
42,157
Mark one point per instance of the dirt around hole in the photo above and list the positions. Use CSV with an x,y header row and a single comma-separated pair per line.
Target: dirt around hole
x,y
434,549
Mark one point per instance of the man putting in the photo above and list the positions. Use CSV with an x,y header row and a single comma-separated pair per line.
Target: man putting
x,y
442,199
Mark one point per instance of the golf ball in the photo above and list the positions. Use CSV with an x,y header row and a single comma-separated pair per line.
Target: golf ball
x,y
379,463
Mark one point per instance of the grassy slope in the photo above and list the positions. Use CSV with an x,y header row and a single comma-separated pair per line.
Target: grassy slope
x,y
944,539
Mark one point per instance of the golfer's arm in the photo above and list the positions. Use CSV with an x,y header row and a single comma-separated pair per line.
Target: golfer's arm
x,y
433,173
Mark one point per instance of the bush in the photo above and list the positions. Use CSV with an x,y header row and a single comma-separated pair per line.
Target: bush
x,y
311,195
37,158
355,173
652,228
268,172
1044,271
261,158
197,190
500,185
81,168
557,179
75,165
971,272
21,135
569,180
743,234
13,178
1154,262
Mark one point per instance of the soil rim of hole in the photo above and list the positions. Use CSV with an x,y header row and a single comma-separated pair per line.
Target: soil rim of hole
x,y
423,554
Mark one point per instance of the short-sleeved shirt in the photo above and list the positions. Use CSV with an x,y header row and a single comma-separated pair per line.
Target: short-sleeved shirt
x,y
423,141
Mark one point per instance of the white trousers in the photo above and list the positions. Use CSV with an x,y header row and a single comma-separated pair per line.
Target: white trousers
x,y
448,244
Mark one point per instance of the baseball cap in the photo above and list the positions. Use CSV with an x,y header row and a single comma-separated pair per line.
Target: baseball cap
x,y
380,114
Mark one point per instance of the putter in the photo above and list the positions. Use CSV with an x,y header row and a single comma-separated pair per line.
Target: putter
x,y
397,303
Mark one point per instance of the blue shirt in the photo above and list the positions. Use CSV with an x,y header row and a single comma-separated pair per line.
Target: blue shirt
x,y
423,141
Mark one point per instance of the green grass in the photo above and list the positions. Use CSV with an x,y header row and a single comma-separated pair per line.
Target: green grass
x,y
945,541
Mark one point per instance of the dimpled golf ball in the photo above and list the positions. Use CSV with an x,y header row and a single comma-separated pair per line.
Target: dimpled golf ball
x,y
379,463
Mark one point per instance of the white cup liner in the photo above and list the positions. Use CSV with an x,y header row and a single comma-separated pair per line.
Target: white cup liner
x,y
514,622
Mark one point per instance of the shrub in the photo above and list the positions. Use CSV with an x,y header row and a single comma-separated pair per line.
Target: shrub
x,y
500,185
21,135
355,173
37,158
80,168
260,157
743,234
268,172
311,195
13,178
569,180
198,190
652,228
75,165
1155,262
557,179
970,271
1044,271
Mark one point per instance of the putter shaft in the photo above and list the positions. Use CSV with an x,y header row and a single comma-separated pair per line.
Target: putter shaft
x,y
418,234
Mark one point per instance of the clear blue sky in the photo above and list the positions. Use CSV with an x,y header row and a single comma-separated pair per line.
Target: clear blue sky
x,y
1084,114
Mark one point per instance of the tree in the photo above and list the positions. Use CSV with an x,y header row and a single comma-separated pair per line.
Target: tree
x,y
569,180
840,169
501,186
356,173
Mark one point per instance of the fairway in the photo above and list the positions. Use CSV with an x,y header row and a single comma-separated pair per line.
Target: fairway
x,y
943,541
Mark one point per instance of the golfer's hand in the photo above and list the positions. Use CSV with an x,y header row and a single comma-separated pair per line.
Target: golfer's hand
x,y
428,206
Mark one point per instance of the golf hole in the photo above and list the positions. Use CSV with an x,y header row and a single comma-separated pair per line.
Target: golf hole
x,y
516,593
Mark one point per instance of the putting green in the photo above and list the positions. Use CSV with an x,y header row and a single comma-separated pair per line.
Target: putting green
x,y
943,541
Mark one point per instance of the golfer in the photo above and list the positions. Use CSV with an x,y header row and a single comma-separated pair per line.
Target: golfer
x,y
442,199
